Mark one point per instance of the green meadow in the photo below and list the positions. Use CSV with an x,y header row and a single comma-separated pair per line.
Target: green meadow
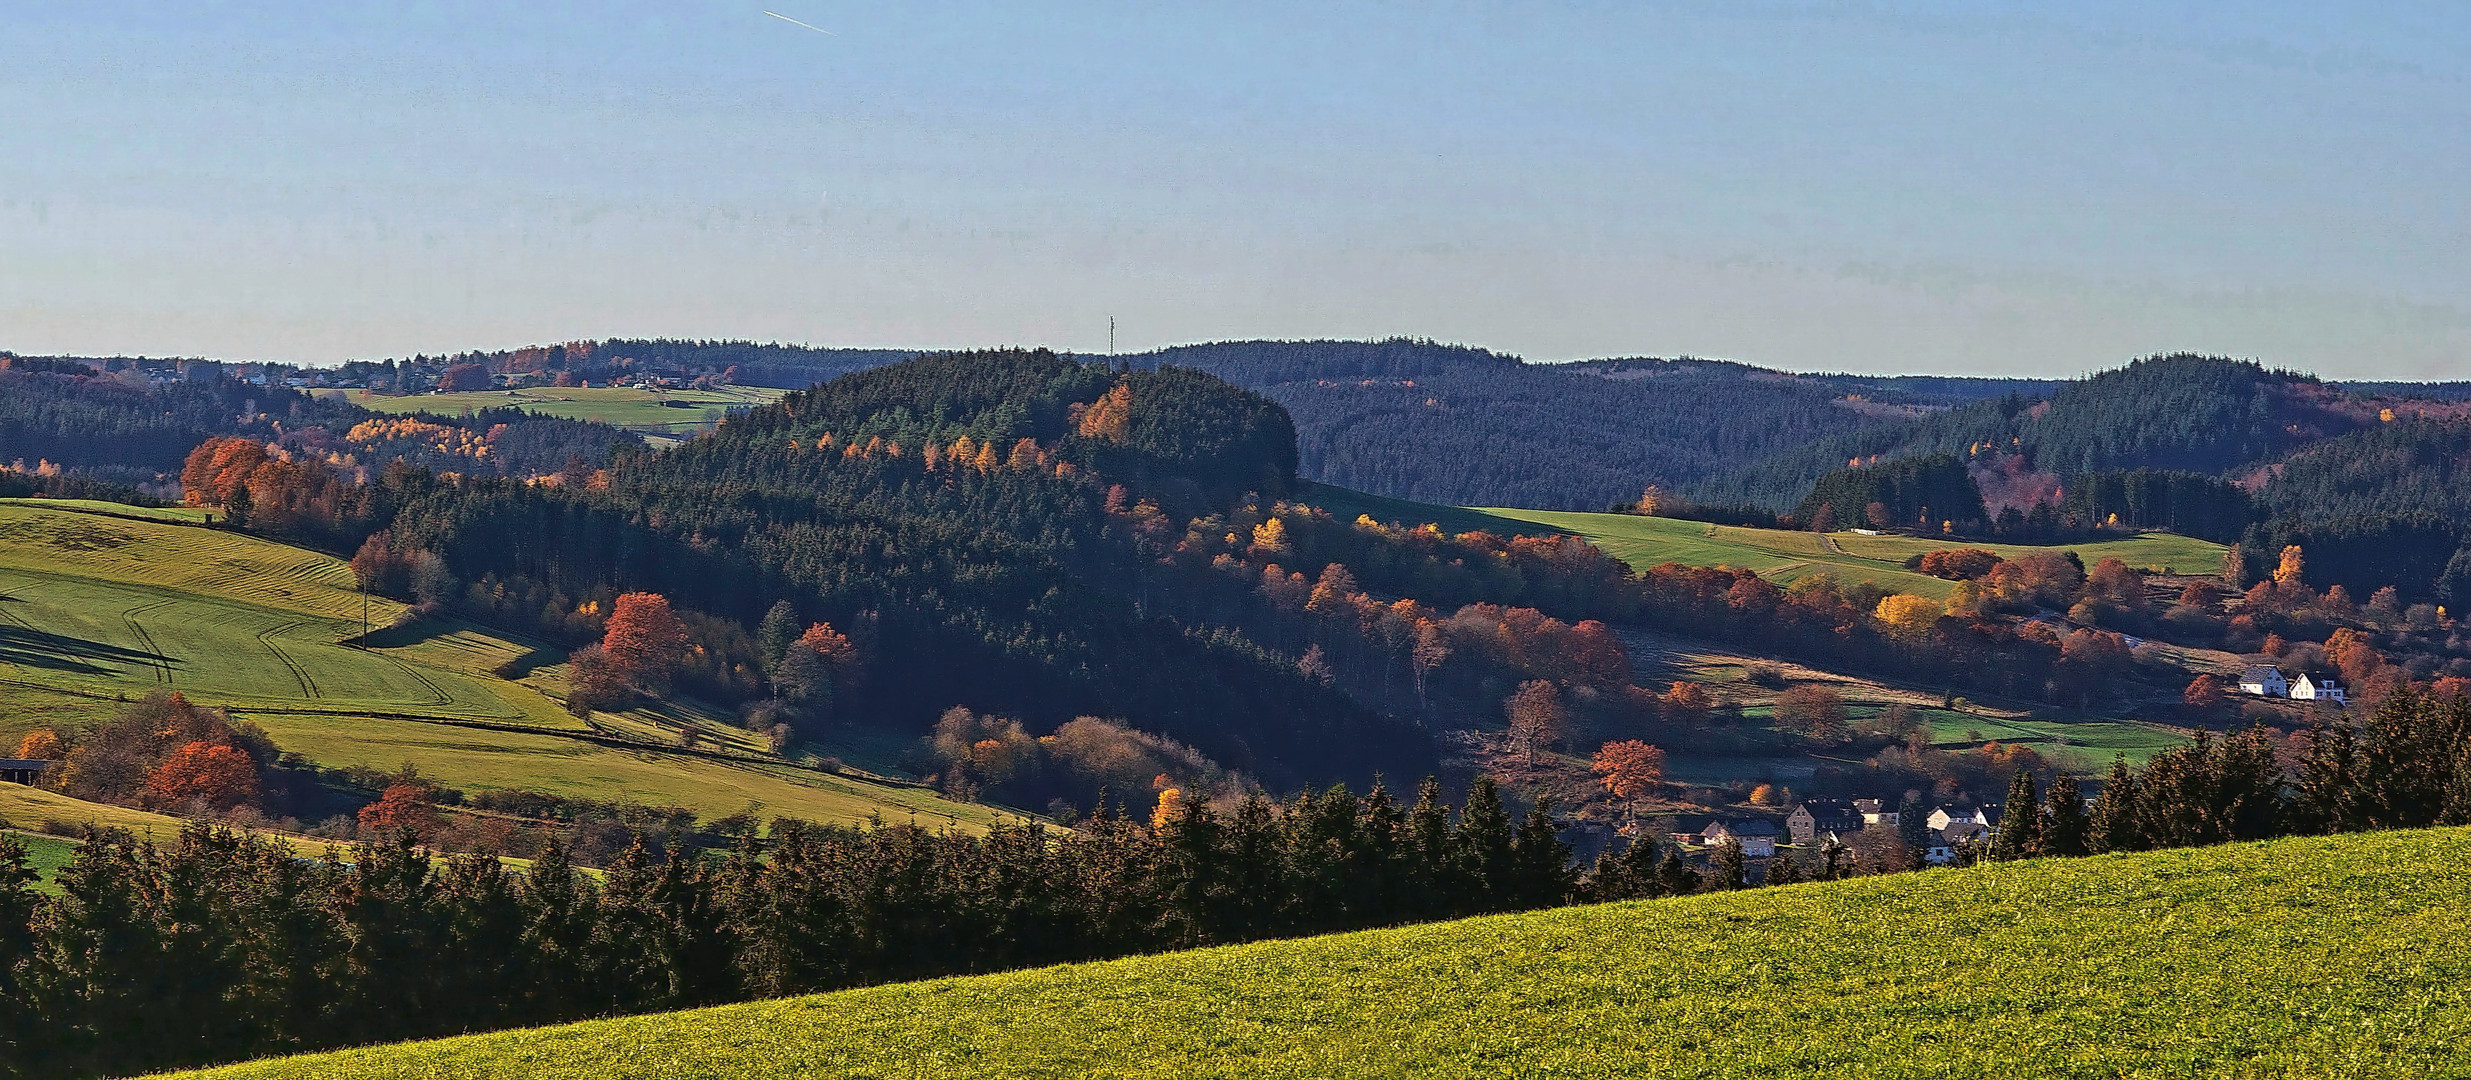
x,y
2315,957
96,609
657,412
1777,554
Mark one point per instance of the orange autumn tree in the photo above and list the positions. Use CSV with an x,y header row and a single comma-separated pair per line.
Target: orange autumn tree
x,y
404,807
218,468
644,641
41,744
1686,702
222,776
1629,769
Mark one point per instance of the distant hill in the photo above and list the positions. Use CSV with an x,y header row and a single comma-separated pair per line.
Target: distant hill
x,y
2180,413
1449,424
2309,957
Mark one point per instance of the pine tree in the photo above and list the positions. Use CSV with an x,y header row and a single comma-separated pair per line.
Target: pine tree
x,y
2065,828
2020,821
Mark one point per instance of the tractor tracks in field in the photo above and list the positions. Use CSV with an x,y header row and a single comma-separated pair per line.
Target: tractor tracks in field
x,y
308,686
162,664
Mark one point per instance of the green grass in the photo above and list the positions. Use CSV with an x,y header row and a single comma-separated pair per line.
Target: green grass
x,y
47,854
2317,957
1777,554
634,410
95,610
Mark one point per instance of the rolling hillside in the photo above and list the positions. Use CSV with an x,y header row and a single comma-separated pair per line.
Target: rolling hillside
x,y
1778,554
2308,957
97,607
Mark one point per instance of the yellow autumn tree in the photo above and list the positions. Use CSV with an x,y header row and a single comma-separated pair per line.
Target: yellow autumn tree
x,y
41,744
1110,417
1270,539
2294,564
1907,617
1170,801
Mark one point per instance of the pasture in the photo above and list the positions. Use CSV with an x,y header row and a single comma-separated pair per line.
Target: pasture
x,y
96,610
1783,556
651,412
1776,554
2320,956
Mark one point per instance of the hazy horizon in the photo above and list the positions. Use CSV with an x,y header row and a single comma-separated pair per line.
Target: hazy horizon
x,y
2034,192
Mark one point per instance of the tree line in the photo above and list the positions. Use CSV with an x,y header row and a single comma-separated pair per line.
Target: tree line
x,y
220,946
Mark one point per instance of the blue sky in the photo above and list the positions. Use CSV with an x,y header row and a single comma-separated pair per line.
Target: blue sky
x,y
1983,188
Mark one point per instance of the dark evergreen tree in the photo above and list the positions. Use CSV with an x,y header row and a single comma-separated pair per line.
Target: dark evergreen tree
x,y
2066,828
2019,832
1726,867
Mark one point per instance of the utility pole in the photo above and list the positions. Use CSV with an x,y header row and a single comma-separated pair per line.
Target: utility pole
x,y
1111,335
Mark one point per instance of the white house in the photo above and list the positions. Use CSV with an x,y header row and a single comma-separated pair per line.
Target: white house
x,y
1985,815
1943,842
1757,837
2312,686
1877,812
2265,682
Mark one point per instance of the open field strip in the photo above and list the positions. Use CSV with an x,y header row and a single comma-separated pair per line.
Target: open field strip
x,y
1777,554
2314,957
1784,556
624,407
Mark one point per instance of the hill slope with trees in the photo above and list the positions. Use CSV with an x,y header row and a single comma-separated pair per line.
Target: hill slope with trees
x,y
2320,956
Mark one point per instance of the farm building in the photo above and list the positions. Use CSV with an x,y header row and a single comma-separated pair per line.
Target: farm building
x,y
1986,815
1815,818
1757,837
1877,812
2315,686
22,770
2265,682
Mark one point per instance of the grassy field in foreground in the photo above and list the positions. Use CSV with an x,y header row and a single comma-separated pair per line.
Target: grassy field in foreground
x,y
95,610
666,412
2307,957
1777,554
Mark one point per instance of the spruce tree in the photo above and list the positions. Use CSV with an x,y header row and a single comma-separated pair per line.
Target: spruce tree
x,y
18,903
1540,862
2020,821
1431,866
2064,825
1482,848
2114,826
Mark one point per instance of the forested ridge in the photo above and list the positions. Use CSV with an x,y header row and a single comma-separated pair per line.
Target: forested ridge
x,y
1467,427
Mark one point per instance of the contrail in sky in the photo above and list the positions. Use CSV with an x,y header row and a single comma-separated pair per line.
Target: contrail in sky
x,y
810,26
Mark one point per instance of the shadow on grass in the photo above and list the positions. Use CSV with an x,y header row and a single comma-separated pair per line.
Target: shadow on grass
x,y
32,648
